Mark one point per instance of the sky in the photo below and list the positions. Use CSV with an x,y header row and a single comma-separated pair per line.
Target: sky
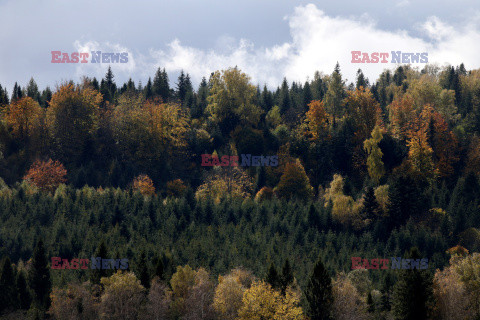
x,y
267,39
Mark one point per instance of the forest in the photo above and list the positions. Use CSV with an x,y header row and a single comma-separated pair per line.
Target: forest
x,y
375,170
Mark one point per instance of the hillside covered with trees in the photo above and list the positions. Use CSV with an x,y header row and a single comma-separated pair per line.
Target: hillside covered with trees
x,y
372,170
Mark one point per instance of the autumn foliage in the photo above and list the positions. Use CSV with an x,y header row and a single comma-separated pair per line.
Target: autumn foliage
x,y
144,185
46,175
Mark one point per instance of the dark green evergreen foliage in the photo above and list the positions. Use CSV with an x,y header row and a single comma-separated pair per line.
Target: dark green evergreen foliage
x,y
266,101
8,288
3,96
307,96
32,90
361,80
371,209
148,90
142,271
370,304
39,277
161,86
399,76
159,268
287,277
405,200
284,99
273,278
17,92
413,293
108,88
24,297
46,97
98,273
318,293
184,88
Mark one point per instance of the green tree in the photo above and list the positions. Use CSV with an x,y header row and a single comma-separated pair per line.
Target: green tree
x,y
335,95
161,86
273,277
98,273
8,289
413,292
376,170
287,276
24,296
142,271
294,183
39,277
318,294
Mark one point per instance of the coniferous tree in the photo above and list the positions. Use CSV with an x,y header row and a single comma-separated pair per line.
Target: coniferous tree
x,y
32,90
361,80
413,293
3,96
318,294
159,268
8,289
273,278
24,296
142,271
307,96
371,208
370,304
335,95
286,277
99,272
39,278
160,85
108,87
285,99
148,90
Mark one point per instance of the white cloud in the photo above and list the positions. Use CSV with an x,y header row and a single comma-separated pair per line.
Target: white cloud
x,y
317,42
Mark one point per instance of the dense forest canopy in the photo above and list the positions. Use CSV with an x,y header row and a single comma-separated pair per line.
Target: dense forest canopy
x,y
373,170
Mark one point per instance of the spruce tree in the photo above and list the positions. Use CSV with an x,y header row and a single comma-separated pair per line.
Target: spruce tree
x,y
99,272
147,91
8,290
413,293
24,297
39,277
273,278
287,276
371,208
285,100
159,268
318,293
142,271
160,85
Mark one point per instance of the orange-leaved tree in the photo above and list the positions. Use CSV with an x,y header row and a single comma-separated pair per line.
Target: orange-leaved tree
x,y
46,175
23,116
144,184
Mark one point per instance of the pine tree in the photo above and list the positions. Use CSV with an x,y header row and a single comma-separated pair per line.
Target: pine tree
x,y
99,272
361,80
313,217
108,87
273,278
32,90
159,268
161,86
285,100
39,277
287,276
371,208
413,293
184,88
24,297
8,289
370,304
307,96
148,91
142,271
335,95
318,293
